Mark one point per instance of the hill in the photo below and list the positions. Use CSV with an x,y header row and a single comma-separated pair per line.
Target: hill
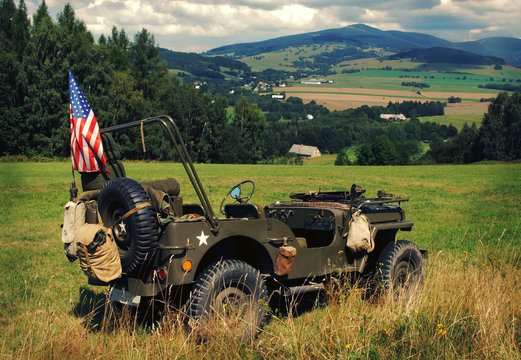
x,y
216,67
504,47
366,38
358,35
448,55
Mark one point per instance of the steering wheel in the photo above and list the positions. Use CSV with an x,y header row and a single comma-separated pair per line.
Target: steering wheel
x,y
235,193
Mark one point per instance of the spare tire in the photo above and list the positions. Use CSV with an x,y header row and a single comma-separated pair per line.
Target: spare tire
x,y
137,235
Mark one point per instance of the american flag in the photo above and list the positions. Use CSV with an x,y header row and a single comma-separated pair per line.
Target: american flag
x,y
86,147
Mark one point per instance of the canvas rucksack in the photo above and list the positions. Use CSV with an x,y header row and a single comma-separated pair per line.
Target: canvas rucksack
x,y
73,220
360,236
98,252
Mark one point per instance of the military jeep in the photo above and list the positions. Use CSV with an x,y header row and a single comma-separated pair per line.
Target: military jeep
x,y
237,261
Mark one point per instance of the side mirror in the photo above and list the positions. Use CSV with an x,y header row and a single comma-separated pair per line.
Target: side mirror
x,y
236,192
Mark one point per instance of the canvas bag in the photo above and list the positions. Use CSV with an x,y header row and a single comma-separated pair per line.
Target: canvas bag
x,y
285,259
73,220
98,252
360,236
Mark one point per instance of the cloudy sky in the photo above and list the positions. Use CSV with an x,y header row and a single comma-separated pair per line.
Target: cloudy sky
x,y
201,25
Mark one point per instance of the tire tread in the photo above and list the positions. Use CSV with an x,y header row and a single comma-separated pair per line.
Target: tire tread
x,y
144,241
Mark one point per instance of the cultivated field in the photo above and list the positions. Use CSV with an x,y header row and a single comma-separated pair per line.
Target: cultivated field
x,y
374,86
468,111
468,217
459,114
335,98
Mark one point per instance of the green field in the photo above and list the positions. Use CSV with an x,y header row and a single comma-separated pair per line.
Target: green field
x,y
457,120
468,217
438,80
445,80
283,59
373,85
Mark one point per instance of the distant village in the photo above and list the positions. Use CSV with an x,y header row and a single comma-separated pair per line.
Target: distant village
x,y
262,87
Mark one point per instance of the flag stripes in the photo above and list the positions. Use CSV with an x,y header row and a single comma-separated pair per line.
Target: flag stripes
x,y
86,147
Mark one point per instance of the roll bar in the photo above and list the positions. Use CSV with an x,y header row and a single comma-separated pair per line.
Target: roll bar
x,y
180,147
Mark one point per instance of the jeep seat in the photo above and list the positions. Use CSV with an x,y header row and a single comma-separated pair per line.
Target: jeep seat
x,y
155,189
115,169
240,211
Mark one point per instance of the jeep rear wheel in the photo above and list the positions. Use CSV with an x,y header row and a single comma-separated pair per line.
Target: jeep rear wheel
x,y
228,296
400,268
137,235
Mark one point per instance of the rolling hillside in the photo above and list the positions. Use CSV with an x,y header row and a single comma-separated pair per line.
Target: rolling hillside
x,y
358,35
506,48
448,55
366,38
216,67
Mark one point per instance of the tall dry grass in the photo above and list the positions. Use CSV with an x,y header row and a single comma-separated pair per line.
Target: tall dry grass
x,y
469,308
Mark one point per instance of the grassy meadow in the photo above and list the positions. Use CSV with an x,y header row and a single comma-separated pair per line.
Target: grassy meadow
x,y
467,216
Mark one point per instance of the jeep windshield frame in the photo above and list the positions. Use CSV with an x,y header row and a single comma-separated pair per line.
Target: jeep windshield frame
x,y
180,147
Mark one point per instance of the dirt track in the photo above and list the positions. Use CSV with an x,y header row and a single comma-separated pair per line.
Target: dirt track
x,y
346,101
347,90
345,98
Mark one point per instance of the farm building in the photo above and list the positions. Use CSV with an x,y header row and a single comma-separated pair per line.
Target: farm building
x,y
305,150
393,117
316,82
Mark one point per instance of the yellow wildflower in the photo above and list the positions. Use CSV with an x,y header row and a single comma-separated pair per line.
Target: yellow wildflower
x,y
441,331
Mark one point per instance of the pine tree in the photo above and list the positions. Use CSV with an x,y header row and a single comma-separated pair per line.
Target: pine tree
x,y
342,158
251,124
499,134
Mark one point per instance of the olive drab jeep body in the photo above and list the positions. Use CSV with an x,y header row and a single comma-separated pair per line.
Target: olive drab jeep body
x,y
167,246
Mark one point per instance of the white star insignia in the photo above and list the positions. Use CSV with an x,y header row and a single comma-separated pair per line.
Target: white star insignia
x,y
202,238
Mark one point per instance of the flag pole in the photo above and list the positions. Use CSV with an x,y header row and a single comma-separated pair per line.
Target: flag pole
x,y
73,190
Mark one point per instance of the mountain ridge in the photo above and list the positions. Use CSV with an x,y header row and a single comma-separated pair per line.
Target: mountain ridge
x,y
365,37
448,55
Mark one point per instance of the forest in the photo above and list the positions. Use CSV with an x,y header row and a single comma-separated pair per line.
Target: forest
x,y
124,80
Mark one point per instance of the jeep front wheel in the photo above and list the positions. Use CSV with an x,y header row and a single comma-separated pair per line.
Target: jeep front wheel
x,y
400,268
231,297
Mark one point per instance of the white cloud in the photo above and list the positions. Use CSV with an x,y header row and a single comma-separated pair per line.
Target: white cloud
x,y
373,15
205,24
295,15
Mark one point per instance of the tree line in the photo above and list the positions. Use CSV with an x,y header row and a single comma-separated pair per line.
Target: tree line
x,y
125,80
498,137
122,79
